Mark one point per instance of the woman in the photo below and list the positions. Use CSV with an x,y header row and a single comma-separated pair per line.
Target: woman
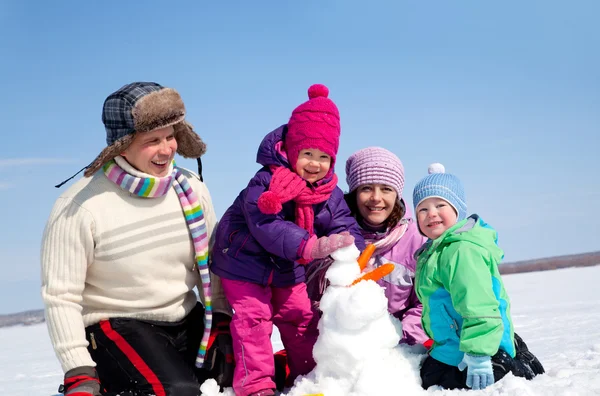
x,y
375,177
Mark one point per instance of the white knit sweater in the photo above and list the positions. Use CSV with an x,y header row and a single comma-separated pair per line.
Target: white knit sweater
x,y
107,253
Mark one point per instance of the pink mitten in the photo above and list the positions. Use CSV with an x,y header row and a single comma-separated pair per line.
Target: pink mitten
x,y
324,246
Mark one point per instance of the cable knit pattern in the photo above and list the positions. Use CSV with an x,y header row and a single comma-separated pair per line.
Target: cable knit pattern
x,y
107,253
155,187
329,119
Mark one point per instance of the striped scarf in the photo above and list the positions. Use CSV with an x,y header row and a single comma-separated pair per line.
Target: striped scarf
x,y
151,187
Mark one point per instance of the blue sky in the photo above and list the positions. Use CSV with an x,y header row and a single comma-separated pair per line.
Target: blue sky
x,y
505,94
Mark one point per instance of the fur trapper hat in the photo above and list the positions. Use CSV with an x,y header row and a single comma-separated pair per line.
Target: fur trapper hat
x,y
143,107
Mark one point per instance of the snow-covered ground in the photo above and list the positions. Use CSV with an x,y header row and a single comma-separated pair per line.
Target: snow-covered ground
x,y
556,312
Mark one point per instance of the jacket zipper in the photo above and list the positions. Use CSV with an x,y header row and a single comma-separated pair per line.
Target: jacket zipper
x,y
93,340
455,328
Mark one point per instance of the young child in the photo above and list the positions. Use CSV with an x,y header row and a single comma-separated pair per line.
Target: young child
x,y
375,178
466,310
291,213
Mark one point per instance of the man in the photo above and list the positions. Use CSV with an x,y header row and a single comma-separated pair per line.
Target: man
x,y
121,253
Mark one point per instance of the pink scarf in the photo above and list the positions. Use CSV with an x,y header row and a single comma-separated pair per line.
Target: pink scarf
x,y
286,186
390,240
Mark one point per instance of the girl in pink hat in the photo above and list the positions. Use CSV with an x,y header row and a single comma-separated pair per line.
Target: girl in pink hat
x,y
291,212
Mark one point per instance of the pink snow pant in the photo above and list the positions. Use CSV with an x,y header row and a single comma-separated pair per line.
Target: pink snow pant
x,y
256,308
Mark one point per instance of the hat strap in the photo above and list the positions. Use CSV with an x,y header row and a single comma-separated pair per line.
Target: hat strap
x,y
59,185
200,169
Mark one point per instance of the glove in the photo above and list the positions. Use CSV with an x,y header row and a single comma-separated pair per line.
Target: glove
x,y
81,381
479,372
428,344
324,246
219,355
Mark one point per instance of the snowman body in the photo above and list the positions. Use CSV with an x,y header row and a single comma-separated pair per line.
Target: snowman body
x,y
358,338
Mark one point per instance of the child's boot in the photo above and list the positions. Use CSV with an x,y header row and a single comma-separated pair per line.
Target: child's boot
x,y
526,357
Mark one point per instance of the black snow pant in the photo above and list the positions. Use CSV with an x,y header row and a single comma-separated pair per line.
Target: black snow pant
x,y
139,358
524,364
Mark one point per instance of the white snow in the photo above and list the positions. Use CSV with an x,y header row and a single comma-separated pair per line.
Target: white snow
x,y
556,312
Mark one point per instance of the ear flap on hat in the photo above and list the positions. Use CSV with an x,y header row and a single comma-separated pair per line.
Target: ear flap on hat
x,y
189,144
109,153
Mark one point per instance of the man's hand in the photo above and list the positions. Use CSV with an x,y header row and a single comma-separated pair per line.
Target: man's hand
x,y
81,381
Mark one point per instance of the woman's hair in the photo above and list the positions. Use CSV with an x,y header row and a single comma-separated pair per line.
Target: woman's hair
x,y
392,220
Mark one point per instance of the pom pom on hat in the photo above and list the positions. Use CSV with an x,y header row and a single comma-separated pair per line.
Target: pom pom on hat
x,y
436,167
318,90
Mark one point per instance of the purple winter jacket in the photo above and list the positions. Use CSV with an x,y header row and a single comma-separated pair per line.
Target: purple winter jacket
x,y
399,285
255,247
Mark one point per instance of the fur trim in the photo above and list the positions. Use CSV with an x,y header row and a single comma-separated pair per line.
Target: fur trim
x,y
109,153
158,109
189,144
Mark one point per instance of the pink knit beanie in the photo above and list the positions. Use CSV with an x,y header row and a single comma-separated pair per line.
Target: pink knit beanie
x,y
314,124
375,165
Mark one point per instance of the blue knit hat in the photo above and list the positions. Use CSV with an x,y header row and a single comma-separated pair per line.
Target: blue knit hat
x,y
439,184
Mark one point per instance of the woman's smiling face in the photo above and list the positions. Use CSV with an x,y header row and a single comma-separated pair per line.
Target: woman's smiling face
x,y
375,202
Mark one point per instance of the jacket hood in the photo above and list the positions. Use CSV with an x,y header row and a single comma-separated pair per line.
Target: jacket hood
x,y
268,153
271,152
474,230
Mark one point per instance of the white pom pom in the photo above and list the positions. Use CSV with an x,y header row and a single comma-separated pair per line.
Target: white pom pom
x,y
436,168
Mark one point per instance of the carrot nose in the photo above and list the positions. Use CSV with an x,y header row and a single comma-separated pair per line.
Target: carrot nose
x,y
376,274
365,256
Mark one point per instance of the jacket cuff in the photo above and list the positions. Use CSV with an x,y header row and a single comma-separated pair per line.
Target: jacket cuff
x,y
308,247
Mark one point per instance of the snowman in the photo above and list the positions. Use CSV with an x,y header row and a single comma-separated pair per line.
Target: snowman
x,y
357,352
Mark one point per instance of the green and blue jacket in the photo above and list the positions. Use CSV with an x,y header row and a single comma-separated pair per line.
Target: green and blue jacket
x,y
465,306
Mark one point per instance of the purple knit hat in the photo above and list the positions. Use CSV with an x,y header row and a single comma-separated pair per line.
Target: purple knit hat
x,y
375,165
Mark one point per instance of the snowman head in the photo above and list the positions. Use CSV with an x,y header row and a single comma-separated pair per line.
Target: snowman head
x,y
344,269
